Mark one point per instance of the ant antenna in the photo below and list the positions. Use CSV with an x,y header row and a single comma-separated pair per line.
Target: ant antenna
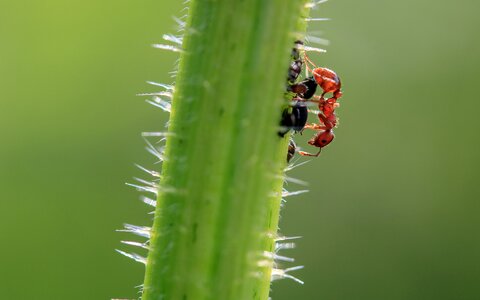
x,y
303,153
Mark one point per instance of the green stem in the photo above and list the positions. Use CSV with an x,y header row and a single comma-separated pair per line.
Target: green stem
x,y
219,198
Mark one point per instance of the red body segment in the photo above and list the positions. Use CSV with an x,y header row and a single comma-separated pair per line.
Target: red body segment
x,y
327,80
322,138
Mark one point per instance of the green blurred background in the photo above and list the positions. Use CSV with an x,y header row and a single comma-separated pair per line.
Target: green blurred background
x,y
393,211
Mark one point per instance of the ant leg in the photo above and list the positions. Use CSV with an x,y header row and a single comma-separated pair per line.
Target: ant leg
x,y
303,153
309,69
314,126
307,59
316,99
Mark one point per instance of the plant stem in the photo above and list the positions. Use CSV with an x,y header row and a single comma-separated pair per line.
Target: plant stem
x,y
219,198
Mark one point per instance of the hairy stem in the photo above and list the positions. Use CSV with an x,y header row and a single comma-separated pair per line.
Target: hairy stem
x,y
220,191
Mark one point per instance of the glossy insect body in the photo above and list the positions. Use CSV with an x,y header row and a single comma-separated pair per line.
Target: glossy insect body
x,y
298,117
294,118
292,148
305,89
296,65
327,79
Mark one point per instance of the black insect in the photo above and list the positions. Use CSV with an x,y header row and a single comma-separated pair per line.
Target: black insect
x,y
296,65
292,148
305,89
293,118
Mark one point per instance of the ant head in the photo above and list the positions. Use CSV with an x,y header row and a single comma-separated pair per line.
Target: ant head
x,y
322,139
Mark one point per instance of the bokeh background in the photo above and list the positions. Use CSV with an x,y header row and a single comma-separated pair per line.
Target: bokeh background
x,y
393,211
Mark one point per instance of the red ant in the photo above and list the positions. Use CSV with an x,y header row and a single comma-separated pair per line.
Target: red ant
x,y
330,83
